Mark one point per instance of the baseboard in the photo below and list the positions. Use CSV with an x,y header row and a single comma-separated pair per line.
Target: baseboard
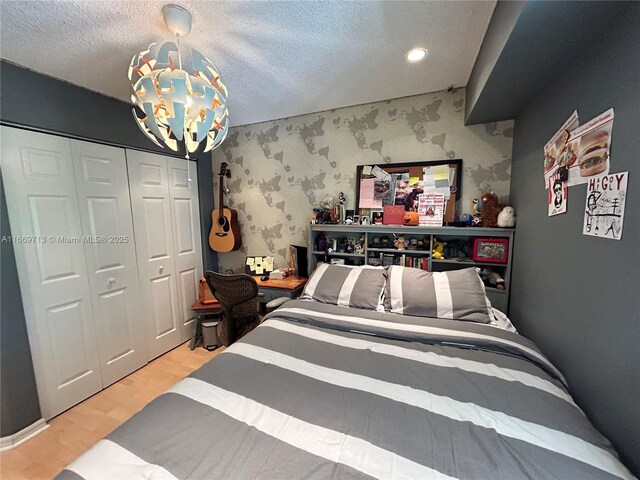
x,y
12,441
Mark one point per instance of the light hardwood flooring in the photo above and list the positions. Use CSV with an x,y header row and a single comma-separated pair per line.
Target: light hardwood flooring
x,y
74,431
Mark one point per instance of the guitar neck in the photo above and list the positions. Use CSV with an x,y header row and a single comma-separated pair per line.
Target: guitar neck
x,y
220,197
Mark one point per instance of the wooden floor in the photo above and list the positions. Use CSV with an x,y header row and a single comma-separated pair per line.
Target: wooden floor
x,y
74,431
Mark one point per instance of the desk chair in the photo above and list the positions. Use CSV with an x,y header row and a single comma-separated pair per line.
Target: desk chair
x,y
237,294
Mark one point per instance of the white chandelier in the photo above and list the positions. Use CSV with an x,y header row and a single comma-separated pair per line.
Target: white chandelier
x,y
178,102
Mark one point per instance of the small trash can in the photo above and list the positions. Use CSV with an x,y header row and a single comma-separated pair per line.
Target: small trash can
x,y
210,335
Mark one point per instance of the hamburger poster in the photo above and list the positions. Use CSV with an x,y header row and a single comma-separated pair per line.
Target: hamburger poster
x,y
554,147
584,151
604,208
591,145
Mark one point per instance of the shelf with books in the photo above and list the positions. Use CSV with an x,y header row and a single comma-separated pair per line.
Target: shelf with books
x,y
378,240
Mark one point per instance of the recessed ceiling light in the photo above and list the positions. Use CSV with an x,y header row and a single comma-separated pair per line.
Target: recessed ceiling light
x,y
416,54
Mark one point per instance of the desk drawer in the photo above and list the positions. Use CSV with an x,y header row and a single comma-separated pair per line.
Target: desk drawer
x,y
265,295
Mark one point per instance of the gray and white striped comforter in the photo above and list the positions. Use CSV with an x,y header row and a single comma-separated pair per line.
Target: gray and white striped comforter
x,y
321,391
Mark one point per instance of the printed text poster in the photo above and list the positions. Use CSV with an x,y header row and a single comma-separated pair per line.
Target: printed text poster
x,y
604,207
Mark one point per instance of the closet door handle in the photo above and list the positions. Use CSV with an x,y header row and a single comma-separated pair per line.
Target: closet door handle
x,y
160,269
110,282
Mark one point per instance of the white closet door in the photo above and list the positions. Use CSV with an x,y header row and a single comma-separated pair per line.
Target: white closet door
x,y
105,211
43,207
151,206
185,210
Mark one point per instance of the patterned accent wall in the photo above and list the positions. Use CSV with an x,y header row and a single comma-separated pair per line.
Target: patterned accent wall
x,y
281,169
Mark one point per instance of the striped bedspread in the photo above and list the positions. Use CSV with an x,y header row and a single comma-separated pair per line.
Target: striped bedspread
x,y
321,391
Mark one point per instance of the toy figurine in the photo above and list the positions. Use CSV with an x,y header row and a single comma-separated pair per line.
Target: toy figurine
x,y
507,218
491,278
466,218
438,249
398,242
476,207
360,247
350,247
341,207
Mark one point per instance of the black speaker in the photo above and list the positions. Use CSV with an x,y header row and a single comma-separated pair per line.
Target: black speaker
x,y
298,260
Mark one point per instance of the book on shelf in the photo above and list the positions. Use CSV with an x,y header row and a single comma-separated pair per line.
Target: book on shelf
x,y
387,259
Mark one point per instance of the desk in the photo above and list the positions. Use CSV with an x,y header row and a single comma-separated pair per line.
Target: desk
x,y
291,287
200,311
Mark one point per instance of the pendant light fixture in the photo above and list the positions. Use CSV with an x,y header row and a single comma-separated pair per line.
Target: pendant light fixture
x,y
179,101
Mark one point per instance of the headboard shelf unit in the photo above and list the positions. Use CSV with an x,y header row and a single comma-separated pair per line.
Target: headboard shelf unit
x,y
417,256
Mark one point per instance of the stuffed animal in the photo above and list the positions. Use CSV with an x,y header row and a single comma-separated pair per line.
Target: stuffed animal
x,y
399,242
491,278
457,249
507,218
438,249
490,210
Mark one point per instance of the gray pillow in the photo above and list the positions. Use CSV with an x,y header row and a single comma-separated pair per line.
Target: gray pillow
x,y
456,295
347,286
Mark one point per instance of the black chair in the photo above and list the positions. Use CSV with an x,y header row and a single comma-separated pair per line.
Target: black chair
x,y
237,294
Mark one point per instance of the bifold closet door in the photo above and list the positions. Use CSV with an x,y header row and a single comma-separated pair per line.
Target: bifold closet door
x,y
151,207
105,212
43,209
185,213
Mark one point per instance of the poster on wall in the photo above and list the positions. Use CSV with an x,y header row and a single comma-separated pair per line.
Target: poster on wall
x,y
554,147
604,207
367,194
557,195
430,209
590,147
407,193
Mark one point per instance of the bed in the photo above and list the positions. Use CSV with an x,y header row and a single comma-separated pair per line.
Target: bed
x,y
327,391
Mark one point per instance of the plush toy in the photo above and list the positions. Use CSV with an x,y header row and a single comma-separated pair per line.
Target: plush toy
x,y
491,278
438,249
411,218
507,218
457,249
399,242
490,210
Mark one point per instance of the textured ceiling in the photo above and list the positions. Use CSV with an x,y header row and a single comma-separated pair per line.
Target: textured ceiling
x,y
278,59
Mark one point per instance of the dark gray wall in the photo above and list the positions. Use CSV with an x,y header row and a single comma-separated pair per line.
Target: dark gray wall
x,y
38,102
18,395
504,18
578,297
544,37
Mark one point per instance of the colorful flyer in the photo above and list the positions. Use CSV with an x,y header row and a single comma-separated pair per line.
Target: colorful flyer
x,y
590,149
431,209
367,194
604,207
554,147
407,194
557,195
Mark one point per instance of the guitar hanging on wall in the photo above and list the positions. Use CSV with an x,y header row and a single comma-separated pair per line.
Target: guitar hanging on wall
x,y
225,233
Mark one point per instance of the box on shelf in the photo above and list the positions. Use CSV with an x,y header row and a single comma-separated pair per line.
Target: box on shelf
x,y
281,273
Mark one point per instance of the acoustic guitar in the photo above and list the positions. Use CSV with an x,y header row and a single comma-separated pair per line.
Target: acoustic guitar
x,y
225,233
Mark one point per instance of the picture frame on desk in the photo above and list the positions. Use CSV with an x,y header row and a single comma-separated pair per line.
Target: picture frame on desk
x,y
491,250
